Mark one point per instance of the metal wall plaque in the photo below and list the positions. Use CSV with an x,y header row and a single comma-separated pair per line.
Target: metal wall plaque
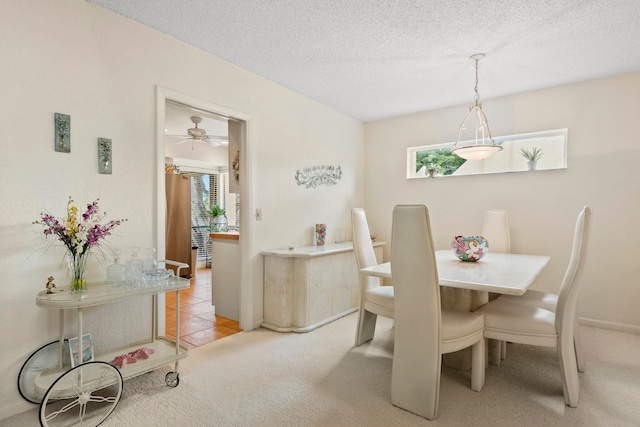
x,y
62,123
313,176
104,155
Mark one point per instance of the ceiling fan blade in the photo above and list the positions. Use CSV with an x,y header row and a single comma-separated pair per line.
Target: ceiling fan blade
x,y
211,142
221,138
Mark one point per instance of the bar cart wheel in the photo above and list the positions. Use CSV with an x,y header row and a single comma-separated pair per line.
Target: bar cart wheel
x,y
86,394
172,379
44,358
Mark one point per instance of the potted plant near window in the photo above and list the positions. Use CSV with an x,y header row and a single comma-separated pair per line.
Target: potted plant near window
x,y
532,156
432,170
219,218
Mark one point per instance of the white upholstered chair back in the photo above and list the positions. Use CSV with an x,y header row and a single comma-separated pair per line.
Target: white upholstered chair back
x,y
496,230
362,246
417,302
374,299
568,297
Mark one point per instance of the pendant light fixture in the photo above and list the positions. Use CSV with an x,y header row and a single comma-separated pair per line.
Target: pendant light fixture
x,y
480,145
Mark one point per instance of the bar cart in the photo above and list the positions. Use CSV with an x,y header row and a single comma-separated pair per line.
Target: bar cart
x,y
86,394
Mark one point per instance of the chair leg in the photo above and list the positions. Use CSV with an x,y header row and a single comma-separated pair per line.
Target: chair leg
x,y
366,327
477,365
577,343
569,372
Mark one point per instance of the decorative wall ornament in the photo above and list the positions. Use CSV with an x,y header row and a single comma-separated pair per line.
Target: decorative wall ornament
x,y
236,167
62,141
171,168
104,155
313,176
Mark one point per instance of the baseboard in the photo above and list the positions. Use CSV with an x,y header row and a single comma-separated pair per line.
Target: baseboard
x,y
310,327
610,325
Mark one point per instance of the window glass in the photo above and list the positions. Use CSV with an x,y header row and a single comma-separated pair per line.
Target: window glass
x,y
437,160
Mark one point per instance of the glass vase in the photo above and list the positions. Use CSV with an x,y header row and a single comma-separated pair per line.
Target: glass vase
x,y
77,263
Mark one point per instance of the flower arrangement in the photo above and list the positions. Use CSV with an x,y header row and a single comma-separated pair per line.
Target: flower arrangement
x,y
79,235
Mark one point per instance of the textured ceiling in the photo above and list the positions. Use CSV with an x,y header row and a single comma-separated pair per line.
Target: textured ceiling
x,y
374,59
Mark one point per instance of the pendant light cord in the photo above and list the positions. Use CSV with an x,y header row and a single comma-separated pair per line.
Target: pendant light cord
x,y
477,96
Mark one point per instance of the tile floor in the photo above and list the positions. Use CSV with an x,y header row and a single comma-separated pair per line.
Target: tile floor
x,y
199,324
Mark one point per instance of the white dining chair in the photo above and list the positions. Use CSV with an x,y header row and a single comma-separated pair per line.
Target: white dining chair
x,y
423,330
520,323
496,230
375,299
549,301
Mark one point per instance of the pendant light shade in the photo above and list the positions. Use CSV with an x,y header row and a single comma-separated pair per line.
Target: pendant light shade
x,y
480,144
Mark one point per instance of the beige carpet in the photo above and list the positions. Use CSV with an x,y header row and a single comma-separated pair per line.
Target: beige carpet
x,y
264,378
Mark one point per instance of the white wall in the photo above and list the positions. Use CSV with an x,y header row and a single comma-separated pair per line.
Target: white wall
x,y
603,173
76,58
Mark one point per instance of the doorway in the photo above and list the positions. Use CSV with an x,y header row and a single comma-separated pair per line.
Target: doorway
x,y
241,137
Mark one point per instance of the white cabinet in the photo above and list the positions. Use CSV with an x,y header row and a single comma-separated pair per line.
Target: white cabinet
x,y
310,286
225,274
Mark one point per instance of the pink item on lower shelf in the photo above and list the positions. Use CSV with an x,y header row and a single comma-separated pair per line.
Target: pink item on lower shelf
x,y
123,360
132,357
142,353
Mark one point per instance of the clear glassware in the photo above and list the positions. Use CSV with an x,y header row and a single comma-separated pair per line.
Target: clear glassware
x,y
149,261
134,268
116,272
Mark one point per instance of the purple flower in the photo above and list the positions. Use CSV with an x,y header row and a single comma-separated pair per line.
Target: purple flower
x,y
92,209
78,236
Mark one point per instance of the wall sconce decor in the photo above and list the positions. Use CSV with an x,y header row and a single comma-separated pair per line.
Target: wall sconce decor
x,y
104,156
62,125
313,176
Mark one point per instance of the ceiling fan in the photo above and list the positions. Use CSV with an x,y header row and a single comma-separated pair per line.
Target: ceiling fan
x,y
198,134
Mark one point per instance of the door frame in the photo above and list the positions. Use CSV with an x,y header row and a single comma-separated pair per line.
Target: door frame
x,y
246,196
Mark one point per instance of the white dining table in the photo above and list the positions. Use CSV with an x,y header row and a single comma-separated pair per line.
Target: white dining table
x,y
466,285
509,274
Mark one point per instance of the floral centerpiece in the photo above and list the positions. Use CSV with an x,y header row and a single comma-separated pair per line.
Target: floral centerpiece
x,y
79,236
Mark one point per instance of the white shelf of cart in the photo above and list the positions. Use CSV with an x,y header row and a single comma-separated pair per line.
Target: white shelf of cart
x,y
103,293
164,354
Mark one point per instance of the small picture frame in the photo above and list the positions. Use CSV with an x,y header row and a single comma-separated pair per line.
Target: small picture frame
x,y
62,124
104,155
87,349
